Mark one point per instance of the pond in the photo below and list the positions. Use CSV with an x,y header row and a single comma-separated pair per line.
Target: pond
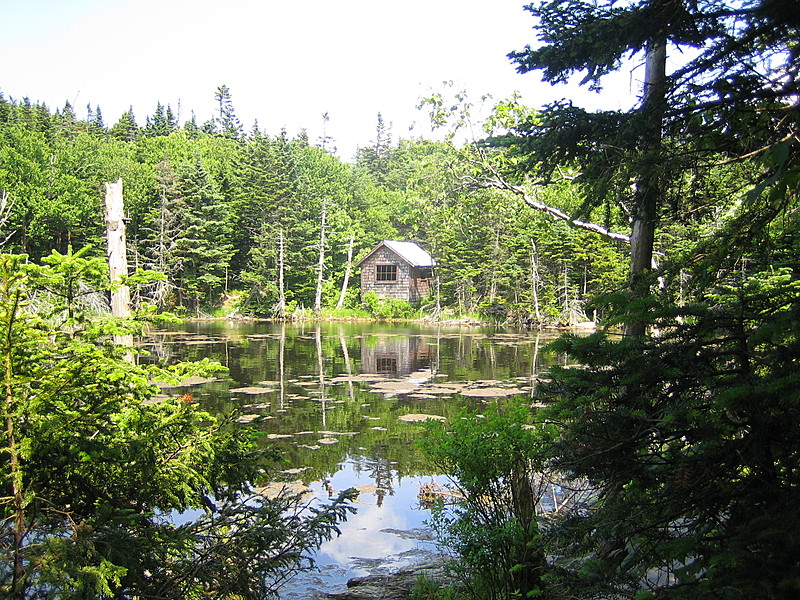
x,y
343,403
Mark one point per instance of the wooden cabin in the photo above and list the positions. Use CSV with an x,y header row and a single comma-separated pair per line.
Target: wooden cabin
x,y
400,270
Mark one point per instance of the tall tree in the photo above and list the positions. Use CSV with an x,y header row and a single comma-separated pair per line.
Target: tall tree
x,y
203,246
161,123
229,125
375,158
732,80
679,433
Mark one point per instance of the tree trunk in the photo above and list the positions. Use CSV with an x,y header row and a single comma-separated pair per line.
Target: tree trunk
x,y
321,368
321,263
567,310
5,214
347,366
18,581
647,190
117,259
535,282
282,365
15,524
281,309
347,270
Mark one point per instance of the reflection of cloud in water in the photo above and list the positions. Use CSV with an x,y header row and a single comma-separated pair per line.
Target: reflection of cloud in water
x,y
361,535
362,538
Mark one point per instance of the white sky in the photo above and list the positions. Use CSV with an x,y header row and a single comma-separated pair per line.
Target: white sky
x,y
286,62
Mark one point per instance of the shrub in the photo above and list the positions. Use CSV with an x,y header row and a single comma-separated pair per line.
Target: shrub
x,y
491,458
388,308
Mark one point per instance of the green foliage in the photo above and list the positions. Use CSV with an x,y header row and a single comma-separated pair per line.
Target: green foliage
x,y
688,438
492,459
95,475
388,308
207,208
428,589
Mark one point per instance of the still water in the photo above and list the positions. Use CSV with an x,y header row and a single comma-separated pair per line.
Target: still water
x,y
343,403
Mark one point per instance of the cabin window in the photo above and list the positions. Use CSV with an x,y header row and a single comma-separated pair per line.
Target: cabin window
x,y
386,365
386,272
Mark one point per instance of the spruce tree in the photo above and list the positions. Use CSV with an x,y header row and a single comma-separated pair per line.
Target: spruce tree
x,y
229,125
126,128
679,429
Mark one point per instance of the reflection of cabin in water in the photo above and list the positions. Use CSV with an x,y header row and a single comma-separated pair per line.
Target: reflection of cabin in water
x,y
400,270
395,355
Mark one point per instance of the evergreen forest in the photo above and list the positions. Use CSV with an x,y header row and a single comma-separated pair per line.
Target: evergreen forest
x,y
218,211
674,225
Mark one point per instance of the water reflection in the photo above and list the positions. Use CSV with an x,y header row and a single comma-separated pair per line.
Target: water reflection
x,y
395,355
342,402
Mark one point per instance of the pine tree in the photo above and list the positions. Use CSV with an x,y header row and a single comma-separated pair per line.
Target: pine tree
x,y
678,431
375,158
161,123
93,470
229,125
202,248
126,128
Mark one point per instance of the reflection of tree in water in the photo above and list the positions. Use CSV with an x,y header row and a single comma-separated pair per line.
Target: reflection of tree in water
x,y
162,352
379,469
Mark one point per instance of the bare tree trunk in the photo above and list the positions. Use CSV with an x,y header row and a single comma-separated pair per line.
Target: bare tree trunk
x,y
321,263
348,367
567,310
493,270
117,259
535,280
347,270
5,214
281,310
321,367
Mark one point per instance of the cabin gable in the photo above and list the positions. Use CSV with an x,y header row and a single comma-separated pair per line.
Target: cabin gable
x,y
389,274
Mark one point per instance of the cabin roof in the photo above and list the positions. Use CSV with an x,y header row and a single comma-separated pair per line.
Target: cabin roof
x,y
410,252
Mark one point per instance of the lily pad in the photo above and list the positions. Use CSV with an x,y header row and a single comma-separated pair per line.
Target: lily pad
x,y
398,387
251,390
361,377
442,391
276,488
491,392
256,406
418,417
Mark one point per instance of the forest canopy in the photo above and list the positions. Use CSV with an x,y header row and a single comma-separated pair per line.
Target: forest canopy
x,y
211,207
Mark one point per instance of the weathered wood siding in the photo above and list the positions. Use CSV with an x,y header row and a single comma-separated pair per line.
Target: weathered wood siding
x,y
399,289
411,284
420,282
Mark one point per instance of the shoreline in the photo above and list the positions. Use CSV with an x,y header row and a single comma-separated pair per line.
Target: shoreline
x,y
460,322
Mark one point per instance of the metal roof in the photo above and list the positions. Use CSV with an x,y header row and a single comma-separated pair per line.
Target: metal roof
x,y
410,252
